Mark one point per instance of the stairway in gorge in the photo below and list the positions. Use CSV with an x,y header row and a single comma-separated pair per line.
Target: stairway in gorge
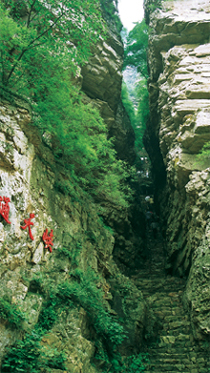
x,y
174,349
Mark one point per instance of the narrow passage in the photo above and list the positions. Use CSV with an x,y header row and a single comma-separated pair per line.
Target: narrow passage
x,y
170,342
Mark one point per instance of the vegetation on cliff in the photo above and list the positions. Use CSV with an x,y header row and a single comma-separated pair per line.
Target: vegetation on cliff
x,y
204,156
136,44
42,45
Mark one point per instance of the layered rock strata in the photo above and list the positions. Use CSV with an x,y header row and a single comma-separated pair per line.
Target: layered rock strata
x,y
101,81
27,266
168,338
179,64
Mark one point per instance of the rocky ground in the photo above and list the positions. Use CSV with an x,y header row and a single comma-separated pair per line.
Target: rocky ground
x,y
169,339
179,93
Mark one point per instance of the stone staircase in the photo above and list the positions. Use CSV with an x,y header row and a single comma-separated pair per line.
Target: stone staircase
x,y
175,349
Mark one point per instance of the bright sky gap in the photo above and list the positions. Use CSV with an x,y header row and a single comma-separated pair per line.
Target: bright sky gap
x,y
130,11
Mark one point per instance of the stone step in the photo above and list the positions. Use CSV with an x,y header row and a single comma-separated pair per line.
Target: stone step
x,y
168,305
161,362
170,371
177,368
178,322
162,279
178,360
178,345
162,286
175,350
170,364
171,318
167,355
155,290
161,314
168,348
194,370
176,333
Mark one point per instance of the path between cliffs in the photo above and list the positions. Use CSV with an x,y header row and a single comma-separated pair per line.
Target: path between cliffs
x,y
170,341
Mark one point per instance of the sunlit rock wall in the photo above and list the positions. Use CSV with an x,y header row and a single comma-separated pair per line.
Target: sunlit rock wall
x,y
179,87
101,81
27,266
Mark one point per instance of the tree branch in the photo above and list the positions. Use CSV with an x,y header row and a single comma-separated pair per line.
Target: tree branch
x,y
28,47
30,13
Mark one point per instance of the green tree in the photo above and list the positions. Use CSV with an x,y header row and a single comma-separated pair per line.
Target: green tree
x,y
136,43
203,158
128,104
136,48
142,114
110,13
27,27
41,46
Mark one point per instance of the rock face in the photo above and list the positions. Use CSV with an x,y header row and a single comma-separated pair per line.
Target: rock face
x,y
29,272
102,78
27,266
179,64
175,349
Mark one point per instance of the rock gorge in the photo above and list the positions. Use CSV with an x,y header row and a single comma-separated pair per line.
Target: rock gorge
x,y
82,243
179,67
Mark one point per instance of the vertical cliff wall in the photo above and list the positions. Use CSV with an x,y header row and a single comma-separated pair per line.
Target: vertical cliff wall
x,y
68,297
179,88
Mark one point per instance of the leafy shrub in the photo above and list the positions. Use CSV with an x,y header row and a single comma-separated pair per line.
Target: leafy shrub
x,y
204,156
11,313
23,356
136,48
48,314
131,364
137,363
29,356
33,66
136,57
86,293
72,250
110,13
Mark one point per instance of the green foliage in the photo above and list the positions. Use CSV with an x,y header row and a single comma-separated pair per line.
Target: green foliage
x,y
72,250
155,4
139,117
11,313
29,355
65,251
33,66
85,292
129,107
31,27
137,363
142,114
203,157
131,364
48,314
110,13
54,359
136,48
23,356
136,56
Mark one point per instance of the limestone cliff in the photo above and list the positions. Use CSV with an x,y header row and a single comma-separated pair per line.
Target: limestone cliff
x,y
41,284
101,81
179,65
